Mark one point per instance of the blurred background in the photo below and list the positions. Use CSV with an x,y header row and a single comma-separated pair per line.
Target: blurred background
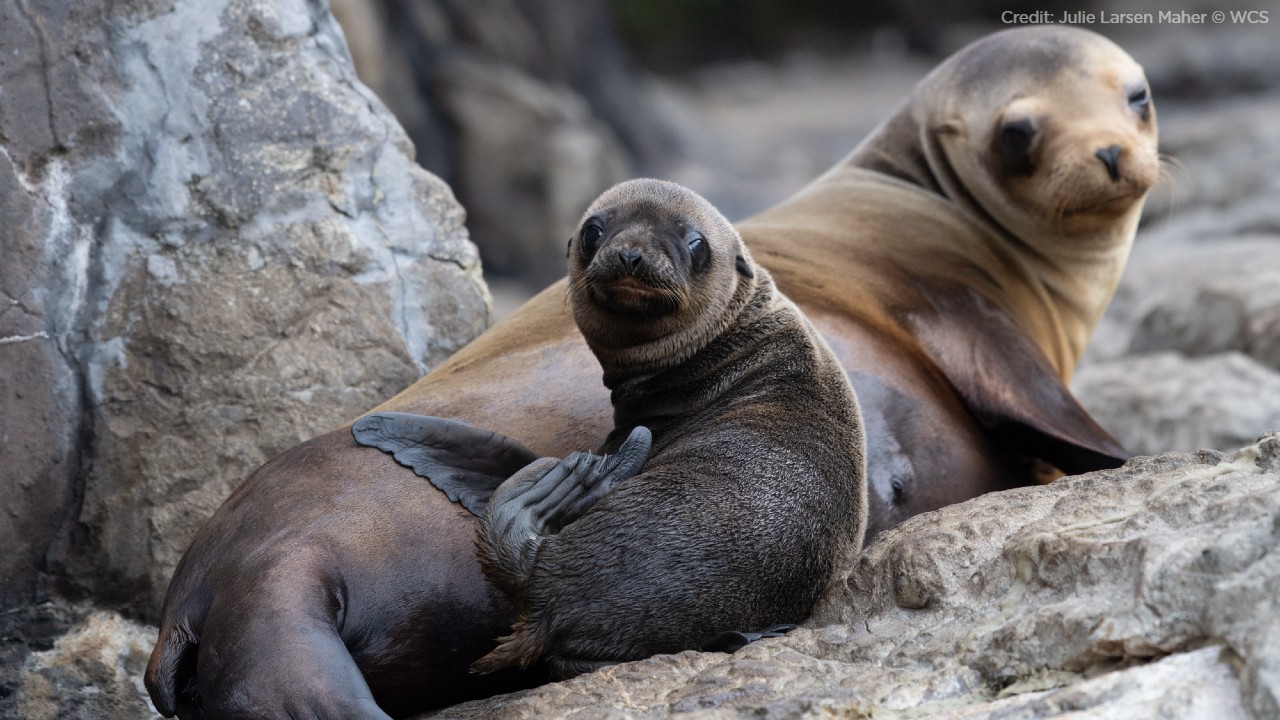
x,y
530,108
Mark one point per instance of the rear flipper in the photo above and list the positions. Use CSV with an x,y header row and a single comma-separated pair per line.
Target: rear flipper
x,y
731,641
286,662
545,496
465,462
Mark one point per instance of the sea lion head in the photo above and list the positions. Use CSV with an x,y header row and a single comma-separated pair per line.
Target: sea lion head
x,y
655,272
1051,131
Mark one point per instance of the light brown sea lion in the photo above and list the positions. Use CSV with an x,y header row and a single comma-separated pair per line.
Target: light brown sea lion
x,y
958,301
753,492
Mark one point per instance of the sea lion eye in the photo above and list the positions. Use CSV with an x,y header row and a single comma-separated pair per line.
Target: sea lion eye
x,y
1017,135
592,232
1140,102
1013,147
699,253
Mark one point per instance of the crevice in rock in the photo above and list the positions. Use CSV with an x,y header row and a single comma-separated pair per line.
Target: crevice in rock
x,y
46,65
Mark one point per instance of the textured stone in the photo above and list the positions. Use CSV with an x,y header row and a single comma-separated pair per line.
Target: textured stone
x,y
1150,591
1197,298
94,672
223,247
1055,601
529,111
1166,401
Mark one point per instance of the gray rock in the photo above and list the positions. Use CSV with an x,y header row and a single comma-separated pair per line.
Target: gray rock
x,y
531,158
1149,591
1196,298
1165,401
529,111
222,247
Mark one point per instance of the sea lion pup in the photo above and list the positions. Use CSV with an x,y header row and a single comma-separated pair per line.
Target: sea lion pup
x,y
754,489
955,280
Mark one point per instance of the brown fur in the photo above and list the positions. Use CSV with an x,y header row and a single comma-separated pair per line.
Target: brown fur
x,y
957,309
755,489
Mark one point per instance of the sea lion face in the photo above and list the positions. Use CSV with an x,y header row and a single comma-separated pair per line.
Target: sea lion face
x,y
652,259
1051,129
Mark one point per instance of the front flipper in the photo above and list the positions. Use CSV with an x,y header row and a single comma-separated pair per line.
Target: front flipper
x,y
545,496
731,641
536,502
465,462
1009,386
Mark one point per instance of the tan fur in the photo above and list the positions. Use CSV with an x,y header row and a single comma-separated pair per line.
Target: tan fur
x,y
1056,242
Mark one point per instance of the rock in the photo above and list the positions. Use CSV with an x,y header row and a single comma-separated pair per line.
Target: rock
x,y
220,246
1165,401
94,672
530,160
528,111
1216,183
1240,313
1149,591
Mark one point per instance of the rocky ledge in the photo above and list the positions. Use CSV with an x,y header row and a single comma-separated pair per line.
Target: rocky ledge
x,y
1150,591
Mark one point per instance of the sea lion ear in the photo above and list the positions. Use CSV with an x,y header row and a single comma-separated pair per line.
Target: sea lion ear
x,y
744,267
1009,386
465,462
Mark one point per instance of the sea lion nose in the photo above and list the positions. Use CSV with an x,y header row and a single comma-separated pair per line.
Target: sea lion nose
x,y
630,258
1110,156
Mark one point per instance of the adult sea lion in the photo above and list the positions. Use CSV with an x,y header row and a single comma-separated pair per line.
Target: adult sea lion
x,y
955,262
754,489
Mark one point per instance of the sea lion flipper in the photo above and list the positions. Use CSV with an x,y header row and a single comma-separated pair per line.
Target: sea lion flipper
x,y
1009,386
170,675
599,478
465,462
544,497
731,641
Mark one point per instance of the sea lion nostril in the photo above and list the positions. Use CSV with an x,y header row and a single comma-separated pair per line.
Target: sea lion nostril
x,y
1110,156
630,258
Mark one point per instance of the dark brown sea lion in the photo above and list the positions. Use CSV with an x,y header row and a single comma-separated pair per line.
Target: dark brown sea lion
x,y
956,263
754,490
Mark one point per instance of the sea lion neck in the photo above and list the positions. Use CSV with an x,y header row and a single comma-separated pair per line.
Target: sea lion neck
x,y
627,361
1076,273
649,392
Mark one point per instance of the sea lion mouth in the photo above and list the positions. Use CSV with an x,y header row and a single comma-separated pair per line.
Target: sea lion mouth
x,y
630,294
1114,204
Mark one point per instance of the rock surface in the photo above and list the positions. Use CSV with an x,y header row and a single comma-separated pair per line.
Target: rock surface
x,y
1150,591
1145,592
94,672
529,110
1168,400
217,245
